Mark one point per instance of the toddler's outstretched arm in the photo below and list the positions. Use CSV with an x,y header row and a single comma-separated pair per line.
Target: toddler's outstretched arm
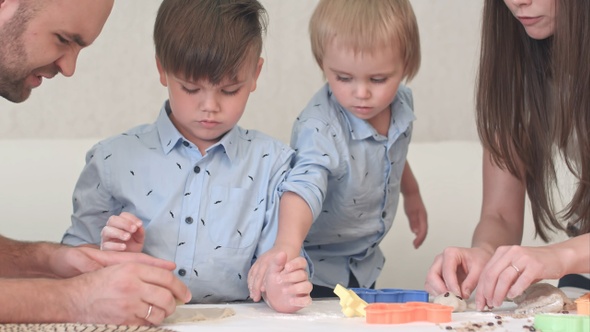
x,y
124,232
295,219
287,284
414,206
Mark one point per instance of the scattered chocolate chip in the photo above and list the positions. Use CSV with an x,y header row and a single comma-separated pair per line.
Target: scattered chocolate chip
x,y
448,328
498,317
491,324
447,294
499,322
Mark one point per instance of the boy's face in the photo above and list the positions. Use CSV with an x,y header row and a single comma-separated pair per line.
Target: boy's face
x,y
364,83
46,43
203,112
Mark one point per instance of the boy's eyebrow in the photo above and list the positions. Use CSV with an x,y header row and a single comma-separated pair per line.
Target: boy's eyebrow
x,y
337,71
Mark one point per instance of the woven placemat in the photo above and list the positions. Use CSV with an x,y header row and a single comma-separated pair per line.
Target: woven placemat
x,y
71,327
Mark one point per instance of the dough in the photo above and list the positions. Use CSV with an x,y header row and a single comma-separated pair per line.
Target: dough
x,y
542,298
452,300
189,315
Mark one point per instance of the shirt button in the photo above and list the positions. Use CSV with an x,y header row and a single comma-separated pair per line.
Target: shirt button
x,y
186,143
383,214
197,169
182,272
188,220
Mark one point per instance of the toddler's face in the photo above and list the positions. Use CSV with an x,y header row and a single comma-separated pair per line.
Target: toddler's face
x,y
365,83
203,112
537,16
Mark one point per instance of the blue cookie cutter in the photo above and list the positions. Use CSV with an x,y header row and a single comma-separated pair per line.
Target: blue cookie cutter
x,y
391,295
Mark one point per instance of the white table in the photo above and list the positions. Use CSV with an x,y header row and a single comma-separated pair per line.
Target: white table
x,y
326,316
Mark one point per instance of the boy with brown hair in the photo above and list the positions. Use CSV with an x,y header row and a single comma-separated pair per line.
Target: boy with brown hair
x,y
194,187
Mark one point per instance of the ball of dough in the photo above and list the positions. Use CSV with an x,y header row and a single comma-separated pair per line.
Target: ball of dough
x,y
452,300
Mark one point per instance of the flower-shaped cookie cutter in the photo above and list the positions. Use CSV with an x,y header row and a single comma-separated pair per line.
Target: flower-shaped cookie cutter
x,y
401,313
391,295
562,323
352,305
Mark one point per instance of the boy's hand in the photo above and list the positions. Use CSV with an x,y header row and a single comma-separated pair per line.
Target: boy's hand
x,y
124,232
258,270
287,284
417,217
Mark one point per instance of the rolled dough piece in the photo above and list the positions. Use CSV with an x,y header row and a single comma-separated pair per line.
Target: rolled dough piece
x,y
452,300
542,298
190,315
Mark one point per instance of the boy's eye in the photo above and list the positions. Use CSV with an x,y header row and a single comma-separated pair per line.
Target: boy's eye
x,y
190,91
230,92
343,78
378,80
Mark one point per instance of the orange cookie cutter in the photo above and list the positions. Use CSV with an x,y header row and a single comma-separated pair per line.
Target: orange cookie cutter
x,y
583,304
401,313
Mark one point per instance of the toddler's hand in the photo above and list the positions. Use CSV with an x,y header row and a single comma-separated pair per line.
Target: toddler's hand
x,y
124,232
287,284
417,217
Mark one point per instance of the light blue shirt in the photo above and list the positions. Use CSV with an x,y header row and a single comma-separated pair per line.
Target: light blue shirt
x,y
350,176
212,215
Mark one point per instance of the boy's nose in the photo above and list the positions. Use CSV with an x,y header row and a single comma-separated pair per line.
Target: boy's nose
x,y
361,91
209,104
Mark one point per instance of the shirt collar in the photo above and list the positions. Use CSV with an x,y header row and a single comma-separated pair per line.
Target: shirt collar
x,y
170,137
401,117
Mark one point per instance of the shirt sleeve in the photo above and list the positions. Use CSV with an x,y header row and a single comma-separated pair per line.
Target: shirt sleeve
x,y
92,201
273,196
316,159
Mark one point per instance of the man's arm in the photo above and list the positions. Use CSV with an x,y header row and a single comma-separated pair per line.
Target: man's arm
x,y
120,294
26,259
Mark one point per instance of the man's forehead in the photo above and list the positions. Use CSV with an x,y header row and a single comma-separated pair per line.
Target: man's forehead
x,y
79,20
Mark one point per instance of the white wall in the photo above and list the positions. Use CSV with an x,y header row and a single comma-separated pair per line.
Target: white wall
x,y
116,85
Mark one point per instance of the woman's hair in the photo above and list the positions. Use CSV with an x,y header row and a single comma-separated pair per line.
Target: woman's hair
x,y
209,39
533,101
367,26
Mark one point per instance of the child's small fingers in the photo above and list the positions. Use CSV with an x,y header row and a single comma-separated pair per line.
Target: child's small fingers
x,y
295,264
123,223
113,246
300,301
112,233
298,289
295,277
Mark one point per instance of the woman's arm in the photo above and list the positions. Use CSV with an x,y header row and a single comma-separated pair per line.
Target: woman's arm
x,y
502,213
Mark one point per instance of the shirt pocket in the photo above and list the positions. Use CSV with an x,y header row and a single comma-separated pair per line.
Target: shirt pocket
x,y
234,220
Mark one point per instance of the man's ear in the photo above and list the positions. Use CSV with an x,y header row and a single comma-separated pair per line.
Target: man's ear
x,y
162,72
7,10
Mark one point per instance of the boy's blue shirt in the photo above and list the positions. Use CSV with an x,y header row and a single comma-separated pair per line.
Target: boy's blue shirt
x,y
212,215
350,176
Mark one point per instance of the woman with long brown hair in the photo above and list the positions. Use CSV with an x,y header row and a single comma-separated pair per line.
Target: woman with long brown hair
x,y
533,112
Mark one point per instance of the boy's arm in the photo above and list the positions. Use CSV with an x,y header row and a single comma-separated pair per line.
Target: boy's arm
x,y
93,202
295,219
